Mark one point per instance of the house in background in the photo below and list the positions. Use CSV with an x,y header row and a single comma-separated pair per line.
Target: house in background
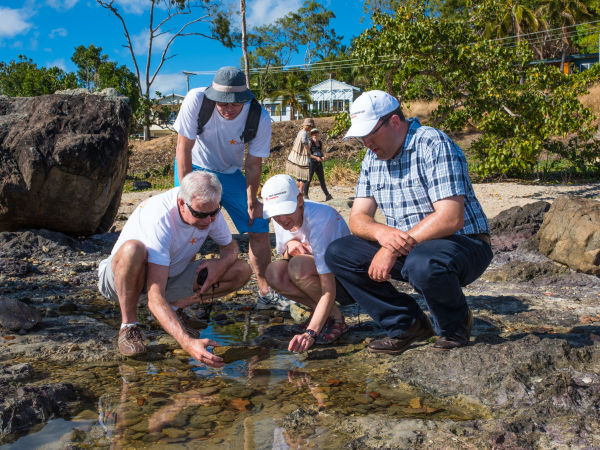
x,y
172,102
573,63
329,96
332,96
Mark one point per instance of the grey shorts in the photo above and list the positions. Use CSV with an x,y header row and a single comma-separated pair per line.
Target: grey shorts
x,y
178,287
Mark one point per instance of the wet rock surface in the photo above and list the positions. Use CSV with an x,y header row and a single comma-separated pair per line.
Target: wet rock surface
x,y
528,379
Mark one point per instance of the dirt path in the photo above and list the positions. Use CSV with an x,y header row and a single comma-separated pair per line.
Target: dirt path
x,y
494,197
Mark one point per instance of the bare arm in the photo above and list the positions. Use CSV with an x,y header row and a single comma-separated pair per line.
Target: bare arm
x,y
447,218
217,267
253,169
302,342
158,305
183,153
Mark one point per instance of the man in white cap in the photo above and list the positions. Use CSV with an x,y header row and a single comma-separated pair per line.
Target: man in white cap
x,y
216,144
436,235
303,231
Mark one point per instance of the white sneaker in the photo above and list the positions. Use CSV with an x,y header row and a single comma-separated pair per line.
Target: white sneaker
x,y
272,300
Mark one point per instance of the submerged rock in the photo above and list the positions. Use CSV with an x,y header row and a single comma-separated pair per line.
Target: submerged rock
x,y
23,407
16,315
231,353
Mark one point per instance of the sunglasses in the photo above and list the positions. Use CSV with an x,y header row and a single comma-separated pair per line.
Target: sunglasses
x,y
374,132
203,215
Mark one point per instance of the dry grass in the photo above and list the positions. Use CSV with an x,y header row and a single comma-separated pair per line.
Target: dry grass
x,y
419,108
341,175
592,100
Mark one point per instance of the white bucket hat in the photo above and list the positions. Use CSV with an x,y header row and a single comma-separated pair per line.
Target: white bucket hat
x,y
280,196
367,110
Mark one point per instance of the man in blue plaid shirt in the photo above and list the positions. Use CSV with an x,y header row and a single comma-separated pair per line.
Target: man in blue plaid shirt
x,y
436,236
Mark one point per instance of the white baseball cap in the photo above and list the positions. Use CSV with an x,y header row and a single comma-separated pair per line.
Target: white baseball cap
x,y
280,196
366,111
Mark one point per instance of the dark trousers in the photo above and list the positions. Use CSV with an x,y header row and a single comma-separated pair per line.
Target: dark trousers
x,y
316,167
437,269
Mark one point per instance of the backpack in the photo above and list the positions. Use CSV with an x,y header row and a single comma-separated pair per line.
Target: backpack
x,y
251,127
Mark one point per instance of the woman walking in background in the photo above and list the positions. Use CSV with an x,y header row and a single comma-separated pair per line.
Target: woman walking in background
x,y
297,164
316,163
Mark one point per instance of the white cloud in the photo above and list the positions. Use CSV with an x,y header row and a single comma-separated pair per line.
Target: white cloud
x,y
263,12
133,6
61,5
58,32
60,63
33,41
140,43
168,83
14,22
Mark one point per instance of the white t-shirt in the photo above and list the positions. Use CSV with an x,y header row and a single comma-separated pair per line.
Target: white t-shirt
x,y
321,226
219,147
168,239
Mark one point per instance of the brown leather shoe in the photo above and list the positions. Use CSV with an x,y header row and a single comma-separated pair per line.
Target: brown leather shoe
x,y
131,341
459,338
419,331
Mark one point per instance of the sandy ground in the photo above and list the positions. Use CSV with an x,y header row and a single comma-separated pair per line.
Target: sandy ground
x,y
494,197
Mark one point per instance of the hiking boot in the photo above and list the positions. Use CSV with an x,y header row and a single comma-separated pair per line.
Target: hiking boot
x,y
459,338
419,331
131,341
189,324
272,300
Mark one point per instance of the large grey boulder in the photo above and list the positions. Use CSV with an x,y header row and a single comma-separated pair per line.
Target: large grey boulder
x,y
570,233
63,160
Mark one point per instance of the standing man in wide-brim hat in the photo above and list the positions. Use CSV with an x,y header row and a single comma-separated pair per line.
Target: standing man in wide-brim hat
x,y
217,146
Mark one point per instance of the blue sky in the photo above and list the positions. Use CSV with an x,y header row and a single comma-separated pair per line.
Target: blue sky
x,y
47,31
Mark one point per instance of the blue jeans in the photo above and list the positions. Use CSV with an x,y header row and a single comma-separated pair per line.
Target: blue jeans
x,y
437,269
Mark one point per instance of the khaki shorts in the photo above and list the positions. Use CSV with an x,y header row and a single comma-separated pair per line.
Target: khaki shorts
x,y
178,287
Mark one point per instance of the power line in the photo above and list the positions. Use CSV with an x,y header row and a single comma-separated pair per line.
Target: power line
x,y
544,37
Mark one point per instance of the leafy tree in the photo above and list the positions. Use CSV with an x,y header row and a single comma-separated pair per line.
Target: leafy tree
x,y
23,78
307,29
520,109
162,15
95,72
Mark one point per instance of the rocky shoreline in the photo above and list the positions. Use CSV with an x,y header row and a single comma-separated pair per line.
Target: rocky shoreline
x,y
529,379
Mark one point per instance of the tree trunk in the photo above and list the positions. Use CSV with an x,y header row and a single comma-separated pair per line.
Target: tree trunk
x,y
245,42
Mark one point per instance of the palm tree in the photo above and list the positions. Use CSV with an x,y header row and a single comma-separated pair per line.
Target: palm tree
x,y
293,91
516,17
564,13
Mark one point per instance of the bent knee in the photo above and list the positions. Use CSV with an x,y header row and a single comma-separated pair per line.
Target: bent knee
x,y
132,250
276,273
241,271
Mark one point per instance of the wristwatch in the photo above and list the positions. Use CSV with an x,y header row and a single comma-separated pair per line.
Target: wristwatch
x,y
311,333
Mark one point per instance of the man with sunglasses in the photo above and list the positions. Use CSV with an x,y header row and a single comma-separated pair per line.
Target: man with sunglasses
x,y
154,259
217,146
436,235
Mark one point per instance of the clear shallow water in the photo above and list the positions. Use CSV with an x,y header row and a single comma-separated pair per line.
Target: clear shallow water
x,y
281,401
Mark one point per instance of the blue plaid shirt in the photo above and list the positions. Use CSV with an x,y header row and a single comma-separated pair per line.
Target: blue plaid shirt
x,y
430,167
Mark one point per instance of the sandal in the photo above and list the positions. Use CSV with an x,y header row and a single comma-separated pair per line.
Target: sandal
x,y
332,330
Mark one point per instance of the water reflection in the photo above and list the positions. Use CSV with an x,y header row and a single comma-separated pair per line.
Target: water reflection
x,y
275,400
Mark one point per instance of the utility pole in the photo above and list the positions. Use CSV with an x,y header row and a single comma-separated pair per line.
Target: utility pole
x,y
187,78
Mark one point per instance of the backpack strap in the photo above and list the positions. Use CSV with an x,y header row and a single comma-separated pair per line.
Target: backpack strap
x,y
251,127
206,110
